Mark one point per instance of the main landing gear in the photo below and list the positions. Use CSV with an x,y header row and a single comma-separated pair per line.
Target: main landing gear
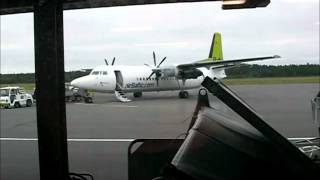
x,y
183,94
137,94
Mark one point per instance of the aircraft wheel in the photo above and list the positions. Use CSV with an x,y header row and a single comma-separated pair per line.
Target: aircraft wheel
x,y
183,94
137,94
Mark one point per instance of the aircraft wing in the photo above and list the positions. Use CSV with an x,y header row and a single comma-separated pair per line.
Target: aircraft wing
x,y
224,63
86,70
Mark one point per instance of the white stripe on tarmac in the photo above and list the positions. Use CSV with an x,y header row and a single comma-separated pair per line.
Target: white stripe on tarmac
x,y
87,104
18,139
70,140
110,140
121,106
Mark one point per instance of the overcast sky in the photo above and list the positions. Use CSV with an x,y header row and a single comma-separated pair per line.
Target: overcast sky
x,y
182,32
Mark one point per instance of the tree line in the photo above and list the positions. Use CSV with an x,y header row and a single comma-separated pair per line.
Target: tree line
x,y
243,71
256,71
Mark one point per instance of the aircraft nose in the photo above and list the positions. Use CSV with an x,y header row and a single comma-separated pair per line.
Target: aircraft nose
x,y
75,82
82,82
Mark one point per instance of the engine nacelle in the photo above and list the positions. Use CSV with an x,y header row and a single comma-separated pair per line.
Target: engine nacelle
x,y
169,71
172,71
190,74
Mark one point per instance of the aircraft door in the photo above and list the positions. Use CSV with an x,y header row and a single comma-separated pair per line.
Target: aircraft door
x,y
105,81
119,80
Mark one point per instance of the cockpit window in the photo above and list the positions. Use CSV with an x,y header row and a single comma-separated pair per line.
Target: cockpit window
x,y
95,73
105,72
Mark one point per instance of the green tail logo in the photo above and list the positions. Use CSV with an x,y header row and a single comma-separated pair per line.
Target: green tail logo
x,y
216,48
215,53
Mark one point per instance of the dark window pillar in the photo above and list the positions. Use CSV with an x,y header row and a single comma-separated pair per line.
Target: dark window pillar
x,y
49,74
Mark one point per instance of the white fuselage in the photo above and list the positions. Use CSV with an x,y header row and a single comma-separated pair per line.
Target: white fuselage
x,y
133,79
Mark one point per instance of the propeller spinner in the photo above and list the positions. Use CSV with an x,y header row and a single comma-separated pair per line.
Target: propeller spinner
x,y
156,70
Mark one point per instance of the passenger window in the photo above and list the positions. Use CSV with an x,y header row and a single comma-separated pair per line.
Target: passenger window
x,y
105,73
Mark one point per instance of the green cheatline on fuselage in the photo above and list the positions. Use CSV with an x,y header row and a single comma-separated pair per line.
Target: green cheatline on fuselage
x,y
215,50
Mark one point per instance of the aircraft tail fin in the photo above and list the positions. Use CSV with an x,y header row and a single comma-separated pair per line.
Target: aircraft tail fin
x,y
215,53
216,48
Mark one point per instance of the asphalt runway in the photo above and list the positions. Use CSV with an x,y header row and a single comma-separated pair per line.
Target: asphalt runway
x,y
101,132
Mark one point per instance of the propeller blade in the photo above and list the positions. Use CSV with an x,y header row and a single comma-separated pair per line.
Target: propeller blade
x,y
162,61
105,60
154,59
114,58
147,65
150,75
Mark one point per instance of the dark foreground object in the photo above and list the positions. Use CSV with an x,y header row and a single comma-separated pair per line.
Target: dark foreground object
x,y
223,147
148,156
219,147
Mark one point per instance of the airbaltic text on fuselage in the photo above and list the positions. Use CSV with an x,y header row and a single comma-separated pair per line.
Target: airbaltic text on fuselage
x,y
140,85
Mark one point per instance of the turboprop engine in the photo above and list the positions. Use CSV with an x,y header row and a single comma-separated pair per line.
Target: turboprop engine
x,y
172,71
190,74
168,71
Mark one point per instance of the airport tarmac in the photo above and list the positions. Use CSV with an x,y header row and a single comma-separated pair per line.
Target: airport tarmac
x,y
100,133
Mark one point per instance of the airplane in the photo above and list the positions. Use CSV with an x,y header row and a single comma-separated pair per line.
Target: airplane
x,y
121,79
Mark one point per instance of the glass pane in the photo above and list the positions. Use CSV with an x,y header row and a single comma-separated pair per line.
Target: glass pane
x,y
18,124
107,113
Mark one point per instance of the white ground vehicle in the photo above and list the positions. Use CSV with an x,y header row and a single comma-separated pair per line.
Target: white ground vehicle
x,y
14,97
